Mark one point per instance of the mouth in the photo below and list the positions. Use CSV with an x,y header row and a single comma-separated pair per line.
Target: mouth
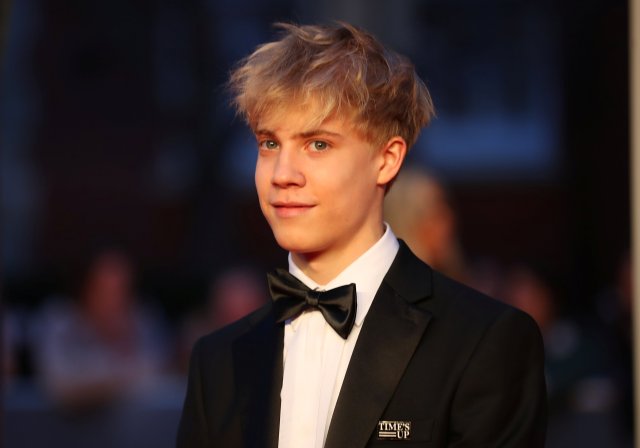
x,y
291,209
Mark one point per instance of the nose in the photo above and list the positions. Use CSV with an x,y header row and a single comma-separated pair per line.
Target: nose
x,y
287,171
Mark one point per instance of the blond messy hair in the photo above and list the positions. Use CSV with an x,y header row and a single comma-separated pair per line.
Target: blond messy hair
x,y
339,70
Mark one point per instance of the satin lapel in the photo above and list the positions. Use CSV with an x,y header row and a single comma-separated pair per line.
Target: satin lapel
x,y
390,334
258,367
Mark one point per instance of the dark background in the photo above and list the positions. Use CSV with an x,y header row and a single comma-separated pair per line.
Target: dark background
x,y
115,127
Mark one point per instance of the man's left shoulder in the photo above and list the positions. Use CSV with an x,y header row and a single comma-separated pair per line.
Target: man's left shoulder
x,y
455,308
464,306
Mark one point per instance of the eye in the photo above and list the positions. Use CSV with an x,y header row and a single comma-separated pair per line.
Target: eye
x,y
268,145
319,145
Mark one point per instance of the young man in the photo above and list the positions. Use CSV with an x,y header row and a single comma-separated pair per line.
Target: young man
x,y
363,345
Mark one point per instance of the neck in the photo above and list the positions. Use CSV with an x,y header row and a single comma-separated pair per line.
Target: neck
x,y
324,266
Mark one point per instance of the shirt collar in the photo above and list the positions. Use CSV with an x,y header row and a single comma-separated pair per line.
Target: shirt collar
x,y
367,272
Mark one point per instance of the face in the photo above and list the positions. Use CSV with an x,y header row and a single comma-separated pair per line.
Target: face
x,y
320,186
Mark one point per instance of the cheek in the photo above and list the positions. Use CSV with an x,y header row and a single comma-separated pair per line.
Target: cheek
x,y
263,186
261,179
356,187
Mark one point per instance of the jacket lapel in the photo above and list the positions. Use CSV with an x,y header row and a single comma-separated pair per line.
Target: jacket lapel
x,y
258,370
390,334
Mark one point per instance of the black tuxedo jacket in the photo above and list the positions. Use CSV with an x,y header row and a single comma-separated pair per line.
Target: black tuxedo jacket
x,y
462,369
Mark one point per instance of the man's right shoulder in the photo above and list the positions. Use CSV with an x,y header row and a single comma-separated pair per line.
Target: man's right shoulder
x,y
224,337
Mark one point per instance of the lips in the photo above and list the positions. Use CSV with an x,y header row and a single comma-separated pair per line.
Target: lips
x,y
291,209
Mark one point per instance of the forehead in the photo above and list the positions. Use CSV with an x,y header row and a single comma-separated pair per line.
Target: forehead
x,y
301,118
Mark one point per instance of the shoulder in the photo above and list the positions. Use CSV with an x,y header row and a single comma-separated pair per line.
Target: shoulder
x,y
447,300
450,295
453,295
461,318
219,343
464,310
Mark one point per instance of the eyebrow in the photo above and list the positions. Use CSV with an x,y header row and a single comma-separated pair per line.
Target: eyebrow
x,y
264,132
305,134
315,132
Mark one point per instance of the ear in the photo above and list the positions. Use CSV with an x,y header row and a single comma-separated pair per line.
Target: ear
x,y
391,156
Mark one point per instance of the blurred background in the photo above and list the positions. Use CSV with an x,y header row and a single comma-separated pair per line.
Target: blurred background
x,y
130,225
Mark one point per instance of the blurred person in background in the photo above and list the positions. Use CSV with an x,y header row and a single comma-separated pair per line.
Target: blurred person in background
x,y
418,208
11,341
578,362
614,311
102,346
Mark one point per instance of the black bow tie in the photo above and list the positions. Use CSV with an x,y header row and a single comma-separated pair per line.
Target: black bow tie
x,y
291,297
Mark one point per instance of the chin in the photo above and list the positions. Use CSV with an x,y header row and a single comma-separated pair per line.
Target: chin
x,y
297,242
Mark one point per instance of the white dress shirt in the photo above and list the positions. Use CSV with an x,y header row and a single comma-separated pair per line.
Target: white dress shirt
x,y
316,357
